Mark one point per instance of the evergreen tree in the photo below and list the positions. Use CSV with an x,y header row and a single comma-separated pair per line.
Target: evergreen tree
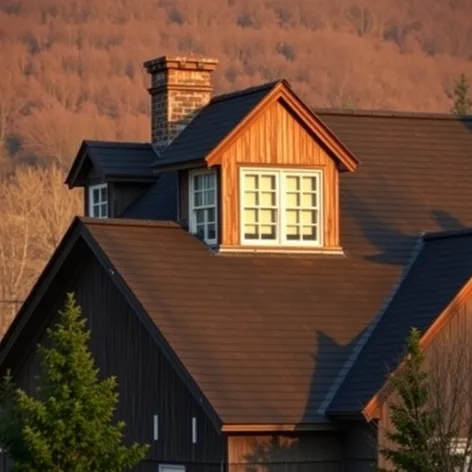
x,y
68,426
462,96
418,442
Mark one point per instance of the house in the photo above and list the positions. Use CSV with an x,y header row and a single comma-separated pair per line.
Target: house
x,y
251,274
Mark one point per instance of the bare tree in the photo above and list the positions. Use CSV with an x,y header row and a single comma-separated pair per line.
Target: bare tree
x,y
433,401
35,209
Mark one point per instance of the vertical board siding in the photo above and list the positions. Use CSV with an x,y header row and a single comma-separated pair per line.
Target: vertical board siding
x,y
122,195
360,446
297,452
277,138
147,382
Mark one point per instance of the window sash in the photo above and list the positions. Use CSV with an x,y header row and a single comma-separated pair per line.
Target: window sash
x,y
203,206
98,201
295,217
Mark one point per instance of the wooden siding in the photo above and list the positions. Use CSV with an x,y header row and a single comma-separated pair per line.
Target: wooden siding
x,y
277,139
449,362
148,384
297,452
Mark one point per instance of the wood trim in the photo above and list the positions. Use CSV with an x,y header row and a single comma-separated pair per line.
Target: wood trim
x,y
278,249
373,408
319,129
269,428
309,119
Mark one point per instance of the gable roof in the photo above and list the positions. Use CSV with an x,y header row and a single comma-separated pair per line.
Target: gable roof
x,y
64,264
414,178
440,270
122,161
226,115
266,337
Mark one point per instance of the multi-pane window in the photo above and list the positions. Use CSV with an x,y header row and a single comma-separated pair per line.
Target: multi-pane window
x,y
98,201
281,207
203,205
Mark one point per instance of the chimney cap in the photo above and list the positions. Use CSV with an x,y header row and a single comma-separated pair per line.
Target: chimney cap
x,y
189,62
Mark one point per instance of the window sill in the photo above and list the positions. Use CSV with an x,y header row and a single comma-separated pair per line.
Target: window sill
x,y
247,249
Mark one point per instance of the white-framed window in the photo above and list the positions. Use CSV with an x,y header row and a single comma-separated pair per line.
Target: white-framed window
x,y
171,468
98,200
203,204
461,451
281,207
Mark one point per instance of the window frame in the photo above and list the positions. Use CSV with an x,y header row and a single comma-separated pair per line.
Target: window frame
x,y
280,186
192,223
175,467
92,204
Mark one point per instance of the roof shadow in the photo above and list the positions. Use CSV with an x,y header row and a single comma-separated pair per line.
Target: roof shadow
x,y
294,450
394,246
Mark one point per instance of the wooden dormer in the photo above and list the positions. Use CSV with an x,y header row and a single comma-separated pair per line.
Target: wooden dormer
x,y
274,176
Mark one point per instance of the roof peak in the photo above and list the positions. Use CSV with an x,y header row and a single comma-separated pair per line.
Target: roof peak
x,y
247,91
434,235
391,114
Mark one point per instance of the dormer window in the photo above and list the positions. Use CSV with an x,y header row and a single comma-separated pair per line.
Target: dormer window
x,y
203,205
281,207
98,201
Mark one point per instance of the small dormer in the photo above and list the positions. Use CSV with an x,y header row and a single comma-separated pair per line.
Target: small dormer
x,y
112,174
259,172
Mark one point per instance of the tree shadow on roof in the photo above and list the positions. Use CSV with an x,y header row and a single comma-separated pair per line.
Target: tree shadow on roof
x,y
302,450
394,246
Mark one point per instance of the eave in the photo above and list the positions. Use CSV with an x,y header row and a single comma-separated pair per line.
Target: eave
x,y
325,425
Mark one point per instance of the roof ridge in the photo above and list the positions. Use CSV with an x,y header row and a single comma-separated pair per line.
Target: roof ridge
x,y
366,335
446,234
246,91
391,114
129,222
99,143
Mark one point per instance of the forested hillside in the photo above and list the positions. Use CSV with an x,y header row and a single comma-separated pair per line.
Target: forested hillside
x,y
73,69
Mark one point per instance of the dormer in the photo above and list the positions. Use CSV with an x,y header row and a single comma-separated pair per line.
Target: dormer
x,y
259,172
112,174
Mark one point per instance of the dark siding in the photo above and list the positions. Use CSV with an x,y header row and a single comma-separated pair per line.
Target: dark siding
x,y
122,195
360,447
183,199
148,384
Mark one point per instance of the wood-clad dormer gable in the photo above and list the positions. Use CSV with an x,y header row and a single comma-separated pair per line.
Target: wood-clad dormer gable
x,y
259,171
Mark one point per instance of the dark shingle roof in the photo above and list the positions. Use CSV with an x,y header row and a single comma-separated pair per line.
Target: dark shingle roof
x,y
440,270
274,332
115,160
212,124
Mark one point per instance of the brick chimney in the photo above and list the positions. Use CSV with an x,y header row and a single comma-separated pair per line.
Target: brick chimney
x,y
180,86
